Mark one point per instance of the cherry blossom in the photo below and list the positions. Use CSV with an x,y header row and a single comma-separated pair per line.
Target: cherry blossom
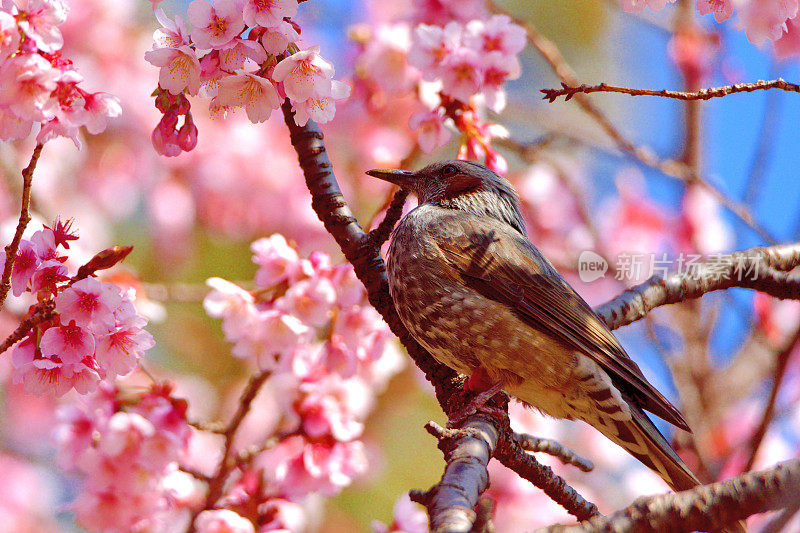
x,y
119,351
278,261
311,300
233,55
268,13
89,304
13,127
321,109
304,74
70,343
48,276
100,107
128,460
95,332
172,33
25,265
214,24
722,9
40,21
9,35
432,46
498,34
275,39
26,82
256,94
180,68
385,61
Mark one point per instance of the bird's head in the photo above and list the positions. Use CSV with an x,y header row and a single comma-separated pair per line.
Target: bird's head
x,y
464,185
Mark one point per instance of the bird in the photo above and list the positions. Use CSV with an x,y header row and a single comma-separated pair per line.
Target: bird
x,y
473,290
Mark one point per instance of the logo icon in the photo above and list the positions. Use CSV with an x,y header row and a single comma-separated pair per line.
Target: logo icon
x,y
591,266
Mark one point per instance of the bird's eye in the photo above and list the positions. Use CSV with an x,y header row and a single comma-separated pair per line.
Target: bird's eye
x,y
448,170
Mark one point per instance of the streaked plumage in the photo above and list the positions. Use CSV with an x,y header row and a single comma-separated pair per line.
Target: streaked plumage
x,y
473,290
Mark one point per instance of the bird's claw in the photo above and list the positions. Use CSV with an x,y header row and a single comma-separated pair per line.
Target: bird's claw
x,y
476,404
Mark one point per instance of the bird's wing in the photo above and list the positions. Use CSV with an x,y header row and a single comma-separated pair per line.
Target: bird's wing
x,y
502,265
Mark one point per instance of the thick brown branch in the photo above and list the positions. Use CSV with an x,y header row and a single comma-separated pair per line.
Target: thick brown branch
x,y
762,269
331,208
568,91
705,508
24,218
467,452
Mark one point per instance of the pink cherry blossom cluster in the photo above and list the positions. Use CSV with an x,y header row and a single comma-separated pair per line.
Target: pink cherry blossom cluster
x,y
94,333
457,71
236,55
761,19
307,322
37,84
470,62
126,445
470,59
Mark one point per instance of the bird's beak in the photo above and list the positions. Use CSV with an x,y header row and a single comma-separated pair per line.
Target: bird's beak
x,y
403,178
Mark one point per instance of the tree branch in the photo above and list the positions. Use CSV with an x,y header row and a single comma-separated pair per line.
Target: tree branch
x,y
762,269
216,483
331,208
532,444
511,454
705,508
467,452
568,91
44,312
394,211
24,218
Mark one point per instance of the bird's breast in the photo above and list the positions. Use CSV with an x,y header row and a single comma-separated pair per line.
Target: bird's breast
x,y
460,327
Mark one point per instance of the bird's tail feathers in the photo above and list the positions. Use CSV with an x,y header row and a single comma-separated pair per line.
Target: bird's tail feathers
x,y
642,439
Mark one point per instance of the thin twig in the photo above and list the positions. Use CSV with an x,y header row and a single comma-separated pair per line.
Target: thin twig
x,y
216,482
532,444
210,427
43,313
781,363
195,473
24,218
542,476
568,91
394,211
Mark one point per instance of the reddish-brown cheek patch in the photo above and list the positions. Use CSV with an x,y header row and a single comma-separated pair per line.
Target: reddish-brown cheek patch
x,y
461,184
